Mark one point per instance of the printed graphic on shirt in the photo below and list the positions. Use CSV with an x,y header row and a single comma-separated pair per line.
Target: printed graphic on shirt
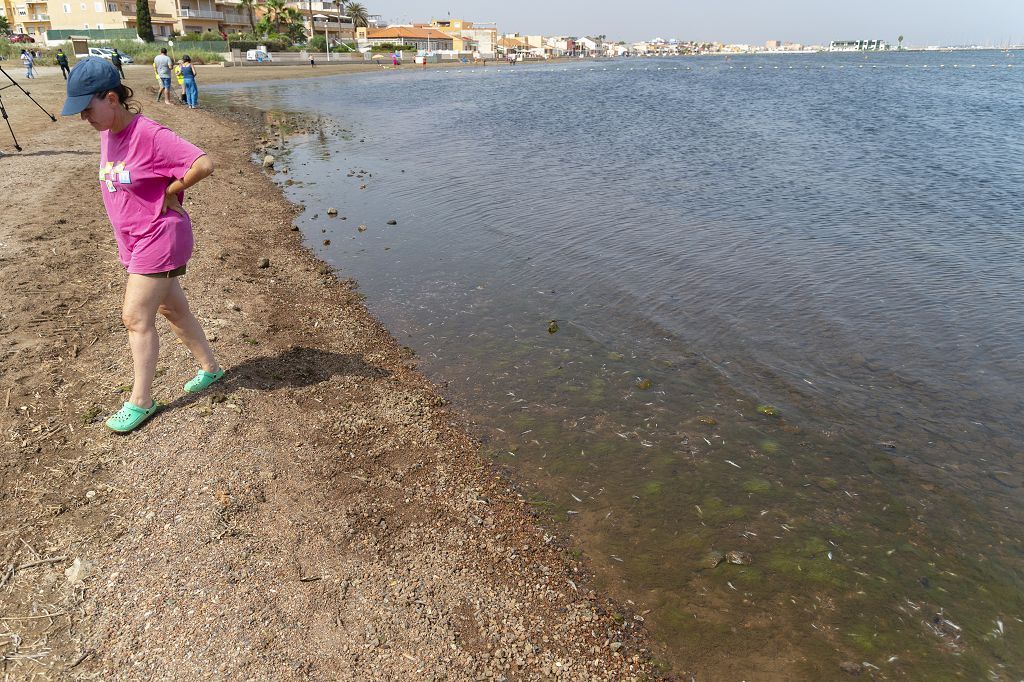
x,y
111,173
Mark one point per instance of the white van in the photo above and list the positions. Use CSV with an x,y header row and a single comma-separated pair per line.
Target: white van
x,y
258,56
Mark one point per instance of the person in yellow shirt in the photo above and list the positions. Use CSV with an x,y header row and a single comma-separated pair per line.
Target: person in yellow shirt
x,y
181,79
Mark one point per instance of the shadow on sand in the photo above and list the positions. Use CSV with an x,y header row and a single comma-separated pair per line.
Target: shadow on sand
x,y
294,368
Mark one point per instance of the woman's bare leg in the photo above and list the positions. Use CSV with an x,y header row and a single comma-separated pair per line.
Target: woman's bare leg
x,y
186,327
142,297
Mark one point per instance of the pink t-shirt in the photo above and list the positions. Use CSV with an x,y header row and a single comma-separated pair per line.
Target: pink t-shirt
x,y
136,166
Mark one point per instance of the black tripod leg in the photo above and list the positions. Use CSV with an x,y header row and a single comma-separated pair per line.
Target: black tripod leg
x,y
7,120
15,84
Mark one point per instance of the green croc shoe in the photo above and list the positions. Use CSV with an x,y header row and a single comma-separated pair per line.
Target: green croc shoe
x,y
202,380
130,417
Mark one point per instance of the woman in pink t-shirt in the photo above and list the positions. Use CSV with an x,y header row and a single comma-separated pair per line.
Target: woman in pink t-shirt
x,y
144,172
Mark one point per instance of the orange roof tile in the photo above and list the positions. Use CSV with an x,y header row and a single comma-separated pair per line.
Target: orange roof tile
x,y
406,32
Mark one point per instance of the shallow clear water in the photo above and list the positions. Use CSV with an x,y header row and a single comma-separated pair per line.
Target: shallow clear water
x,y
835,236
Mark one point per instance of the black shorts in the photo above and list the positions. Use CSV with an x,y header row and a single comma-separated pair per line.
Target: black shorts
x,y
176,272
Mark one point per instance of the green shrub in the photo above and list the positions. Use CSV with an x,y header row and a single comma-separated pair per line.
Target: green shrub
x,y
272,46
391,47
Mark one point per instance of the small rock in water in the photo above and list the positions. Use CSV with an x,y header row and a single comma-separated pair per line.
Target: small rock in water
x,y
362,186
739,558
767,410
712,559
327,242
263,263
295,228
332,211
616,356
268,161
392,222
851,668
644,384
361,228
709,421
553,327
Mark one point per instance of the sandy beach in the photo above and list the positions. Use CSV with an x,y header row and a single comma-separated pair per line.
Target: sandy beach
x,y
321,514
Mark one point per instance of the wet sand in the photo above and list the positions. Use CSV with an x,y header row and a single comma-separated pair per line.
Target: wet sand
x,y
320,514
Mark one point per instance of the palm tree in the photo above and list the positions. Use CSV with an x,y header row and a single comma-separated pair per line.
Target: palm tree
x,y
290,15
250,9
275,8
356,12
341,13
900,39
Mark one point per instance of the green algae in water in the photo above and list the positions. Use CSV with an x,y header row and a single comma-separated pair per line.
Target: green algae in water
x,y
827,483
653,488
768,410
597,390
757,485
713,511
644,384
814,546
769,447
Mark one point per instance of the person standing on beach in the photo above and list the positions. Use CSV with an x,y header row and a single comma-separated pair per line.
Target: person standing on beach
x,y
188,76
181,80
144,172
115,59
162,64
62,62
29,62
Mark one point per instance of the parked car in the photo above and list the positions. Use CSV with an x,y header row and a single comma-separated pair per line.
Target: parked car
x,y
258,56
107,53
20,38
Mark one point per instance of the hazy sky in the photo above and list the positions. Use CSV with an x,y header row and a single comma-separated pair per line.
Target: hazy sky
x,y
923,22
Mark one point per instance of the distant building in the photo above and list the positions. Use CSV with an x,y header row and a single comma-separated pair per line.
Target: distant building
x,y
467,36
858,46
425,39
772,44
325,21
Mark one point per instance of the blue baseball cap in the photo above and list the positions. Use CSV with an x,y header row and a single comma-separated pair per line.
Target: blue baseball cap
x,y
89,77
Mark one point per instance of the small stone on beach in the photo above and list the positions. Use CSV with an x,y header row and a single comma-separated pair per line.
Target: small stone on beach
x,y
268,161
332,211
263,263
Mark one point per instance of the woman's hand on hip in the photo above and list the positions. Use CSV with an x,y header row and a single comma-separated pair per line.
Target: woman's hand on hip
x,y
171,203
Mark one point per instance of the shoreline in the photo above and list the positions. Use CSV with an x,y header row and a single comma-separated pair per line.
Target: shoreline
x,y
318,515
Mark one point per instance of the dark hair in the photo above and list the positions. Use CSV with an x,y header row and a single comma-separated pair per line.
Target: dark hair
x,y
186,58
163,50
125,96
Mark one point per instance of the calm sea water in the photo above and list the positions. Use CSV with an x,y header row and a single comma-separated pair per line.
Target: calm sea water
x,y
789,295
